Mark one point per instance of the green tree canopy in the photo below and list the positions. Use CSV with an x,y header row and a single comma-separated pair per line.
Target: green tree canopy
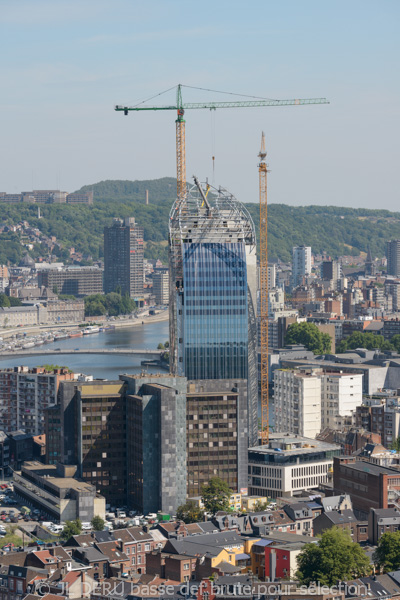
x,y
335,558
189,512
310,336
97,523
387,554
215,495
368,340
71,528
112,304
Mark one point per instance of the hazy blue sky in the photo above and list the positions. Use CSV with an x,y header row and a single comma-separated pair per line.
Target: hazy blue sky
x,y
66,63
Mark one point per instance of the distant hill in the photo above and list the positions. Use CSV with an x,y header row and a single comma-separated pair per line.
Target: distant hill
x,y
336,230
161,191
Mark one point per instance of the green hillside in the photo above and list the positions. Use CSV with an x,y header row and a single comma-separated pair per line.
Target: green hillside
x,y
333,229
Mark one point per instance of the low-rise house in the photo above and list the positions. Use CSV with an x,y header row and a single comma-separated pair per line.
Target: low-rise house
x,y
302,516
345,520
382,520
118,561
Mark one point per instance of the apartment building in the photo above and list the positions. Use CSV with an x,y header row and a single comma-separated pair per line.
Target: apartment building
x,y
124,257
161,287
341,393
393,257
289,464
297,402
26,394
301,265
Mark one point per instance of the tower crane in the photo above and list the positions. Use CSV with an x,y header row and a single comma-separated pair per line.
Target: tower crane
x,y
180,108
264,387
180,122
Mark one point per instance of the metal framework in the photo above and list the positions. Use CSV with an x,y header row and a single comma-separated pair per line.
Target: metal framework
x,y
180,107
263,261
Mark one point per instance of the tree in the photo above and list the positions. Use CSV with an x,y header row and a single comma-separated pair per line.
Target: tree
x,y
335,558
260,506
215,495
160,346
310,336
368,340
97,523
395,445
387,554
395,341
189,512
71,528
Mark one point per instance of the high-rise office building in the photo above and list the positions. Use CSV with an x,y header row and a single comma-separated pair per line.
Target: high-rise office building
x,y
213,284
301,263
123,257
393,257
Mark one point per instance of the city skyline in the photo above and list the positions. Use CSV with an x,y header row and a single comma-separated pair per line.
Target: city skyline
x,y
77,60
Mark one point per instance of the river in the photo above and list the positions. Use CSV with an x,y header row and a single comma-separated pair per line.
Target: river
x,y
108,366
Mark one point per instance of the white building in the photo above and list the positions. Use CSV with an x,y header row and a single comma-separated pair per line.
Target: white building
x,y
297,402
289,464
301,265
341,393
276,302
309,400
271,276
161,287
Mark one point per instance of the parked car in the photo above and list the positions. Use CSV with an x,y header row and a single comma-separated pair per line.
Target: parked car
x,y
86,526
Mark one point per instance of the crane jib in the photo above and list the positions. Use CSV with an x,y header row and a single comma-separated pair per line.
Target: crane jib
x,y
214,105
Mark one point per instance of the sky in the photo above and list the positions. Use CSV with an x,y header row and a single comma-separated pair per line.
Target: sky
x,y
66,63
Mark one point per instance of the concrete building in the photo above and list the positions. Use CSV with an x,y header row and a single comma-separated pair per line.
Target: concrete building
x,y
276,303
77,281
289,464
213,288
26,394
341,393
393,257
216,432
271,276
301,265
147,441
156,444
54,490
161,287
123,257
297,402
48,197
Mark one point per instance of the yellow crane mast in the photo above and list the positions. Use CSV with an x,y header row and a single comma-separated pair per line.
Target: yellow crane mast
x,y
263,317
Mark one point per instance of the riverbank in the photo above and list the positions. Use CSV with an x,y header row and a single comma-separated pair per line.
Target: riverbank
x,y
141,321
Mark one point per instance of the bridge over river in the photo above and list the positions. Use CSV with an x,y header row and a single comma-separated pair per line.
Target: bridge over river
x,y
114,351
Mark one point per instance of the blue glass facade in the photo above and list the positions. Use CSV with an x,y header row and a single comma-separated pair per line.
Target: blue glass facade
x,y
214,312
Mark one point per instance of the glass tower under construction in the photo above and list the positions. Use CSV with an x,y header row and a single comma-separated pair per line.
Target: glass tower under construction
x,y
212,291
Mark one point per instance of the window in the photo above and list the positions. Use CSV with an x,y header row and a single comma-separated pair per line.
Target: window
x,y
127,551
133,560
185,566
11,584
139,560
147,547
139,547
